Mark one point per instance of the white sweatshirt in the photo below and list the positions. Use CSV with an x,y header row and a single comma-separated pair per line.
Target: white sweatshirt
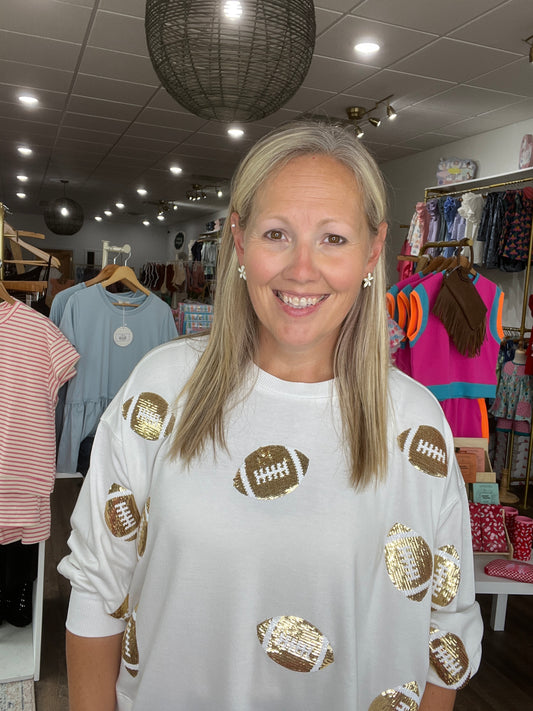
x,y
260,580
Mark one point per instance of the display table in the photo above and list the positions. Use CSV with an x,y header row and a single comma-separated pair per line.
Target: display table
x,y
499,588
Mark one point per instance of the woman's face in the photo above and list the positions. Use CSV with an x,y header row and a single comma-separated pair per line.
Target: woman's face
x,y
306,250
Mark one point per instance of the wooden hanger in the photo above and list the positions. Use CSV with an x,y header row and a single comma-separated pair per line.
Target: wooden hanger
x,y
44,256
104,274
128,277
5,295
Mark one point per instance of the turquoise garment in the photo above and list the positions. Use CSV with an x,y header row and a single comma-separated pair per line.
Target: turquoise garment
x,y
60,301
90,321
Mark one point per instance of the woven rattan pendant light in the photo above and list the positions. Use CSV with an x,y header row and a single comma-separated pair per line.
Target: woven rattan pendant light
x,y
63,216
231,60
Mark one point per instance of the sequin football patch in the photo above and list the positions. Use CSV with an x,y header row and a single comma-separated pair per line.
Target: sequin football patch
x,y
295,644
446,576
130,650
426,450
149,416
121,513
401,698
448,656
270,472
142,533
409,561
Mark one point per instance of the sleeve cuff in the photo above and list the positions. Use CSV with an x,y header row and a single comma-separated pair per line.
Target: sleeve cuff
x,y
87,618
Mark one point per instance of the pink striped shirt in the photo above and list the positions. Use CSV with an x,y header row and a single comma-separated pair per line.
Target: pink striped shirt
x,y
35,360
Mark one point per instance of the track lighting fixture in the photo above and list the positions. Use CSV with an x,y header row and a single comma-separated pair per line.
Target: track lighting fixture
x,y
356,114
198,191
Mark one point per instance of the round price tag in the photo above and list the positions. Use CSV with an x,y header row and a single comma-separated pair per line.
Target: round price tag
x,y
123,336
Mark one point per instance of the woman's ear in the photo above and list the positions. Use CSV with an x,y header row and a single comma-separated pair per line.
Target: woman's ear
x,y
377,246
238,235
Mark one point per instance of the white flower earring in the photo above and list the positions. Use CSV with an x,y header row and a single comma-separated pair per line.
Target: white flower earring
x,y
242,272
367,281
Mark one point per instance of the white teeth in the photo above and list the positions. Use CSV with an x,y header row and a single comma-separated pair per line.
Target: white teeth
x,y
299,302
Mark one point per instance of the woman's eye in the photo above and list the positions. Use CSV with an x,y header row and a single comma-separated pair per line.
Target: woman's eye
x,y
335,239
275,234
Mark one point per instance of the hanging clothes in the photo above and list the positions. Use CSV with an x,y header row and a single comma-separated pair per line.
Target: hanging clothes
x,y
428,354
35,360
111,340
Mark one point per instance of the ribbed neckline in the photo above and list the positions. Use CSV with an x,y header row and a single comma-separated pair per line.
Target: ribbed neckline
x,y
266,381
133,298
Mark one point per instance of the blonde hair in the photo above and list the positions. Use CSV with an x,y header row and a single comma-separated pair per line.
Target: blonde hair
x,y
361,358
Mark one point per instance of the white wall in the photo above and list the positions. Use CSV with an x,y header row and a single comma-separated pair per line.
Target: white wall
x,y
148,244
495,152
191,229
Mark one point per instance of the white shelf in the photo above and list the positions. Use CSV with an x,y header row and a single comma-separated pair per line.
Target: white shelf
x,y
513,175
20,647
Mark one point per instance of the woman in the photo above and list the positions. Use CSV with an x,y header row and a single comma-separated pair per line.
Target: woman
x,y
274,499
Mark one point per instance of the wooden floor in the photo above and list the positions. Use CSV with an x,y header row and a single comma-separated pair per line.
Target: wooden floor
x,y
504,681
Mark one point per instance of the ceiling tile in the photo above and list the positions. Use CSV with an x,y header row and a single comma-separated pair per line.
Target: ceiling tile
x,y
427,15
339,5
135,8
18,111
118,65
454,61
470,101
138,143
39,51
395,42
81,134
46,18
47,99
102,108
32,128
121,33
33,77
162,133
171,119
112,90
516,78
406,88
307,99
325,19
500,28
336,74
429,140
95,123
82,146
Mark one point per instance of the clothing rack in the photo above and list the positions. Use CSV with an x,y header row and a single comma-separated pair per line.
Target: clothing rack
x,y
107,248
483,184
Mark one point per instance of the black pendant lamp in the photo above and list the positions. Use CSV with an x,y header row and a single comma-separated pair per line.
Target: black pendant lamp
x,y
231,60
63,216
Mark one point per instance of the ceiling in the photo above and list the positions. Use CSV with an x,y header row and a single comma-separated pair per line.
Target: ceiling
x,y
105,124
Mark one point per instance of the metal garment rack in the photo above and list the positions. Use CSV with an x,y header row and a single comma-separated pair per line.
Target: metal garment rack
x,y
482,185
107,248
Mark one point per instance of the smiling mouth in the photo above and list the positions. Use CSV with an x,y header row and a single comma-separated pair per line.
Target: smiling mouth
x,y
300,302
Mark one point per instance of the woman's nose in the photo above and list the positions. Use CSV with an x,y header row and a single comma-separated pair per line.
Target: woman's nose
x,y
302,263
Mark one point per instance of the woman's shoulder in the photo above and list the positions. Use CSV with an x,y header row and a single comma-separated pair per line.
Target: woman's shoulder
x,y
158,378
413,402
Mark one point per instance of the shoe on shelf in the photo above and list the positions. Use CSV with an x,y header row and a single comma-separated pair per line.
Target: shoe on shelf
x,y
18,606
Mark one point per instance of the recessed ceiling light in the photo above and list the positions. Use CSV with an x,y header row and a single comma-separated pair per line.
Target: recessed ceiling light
x,y
28,100
236,132
21,195
232,9
142,191
160,217
108,213
219,193
22,178
367,47
176,169
98,218
146,223
24,150
120,205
